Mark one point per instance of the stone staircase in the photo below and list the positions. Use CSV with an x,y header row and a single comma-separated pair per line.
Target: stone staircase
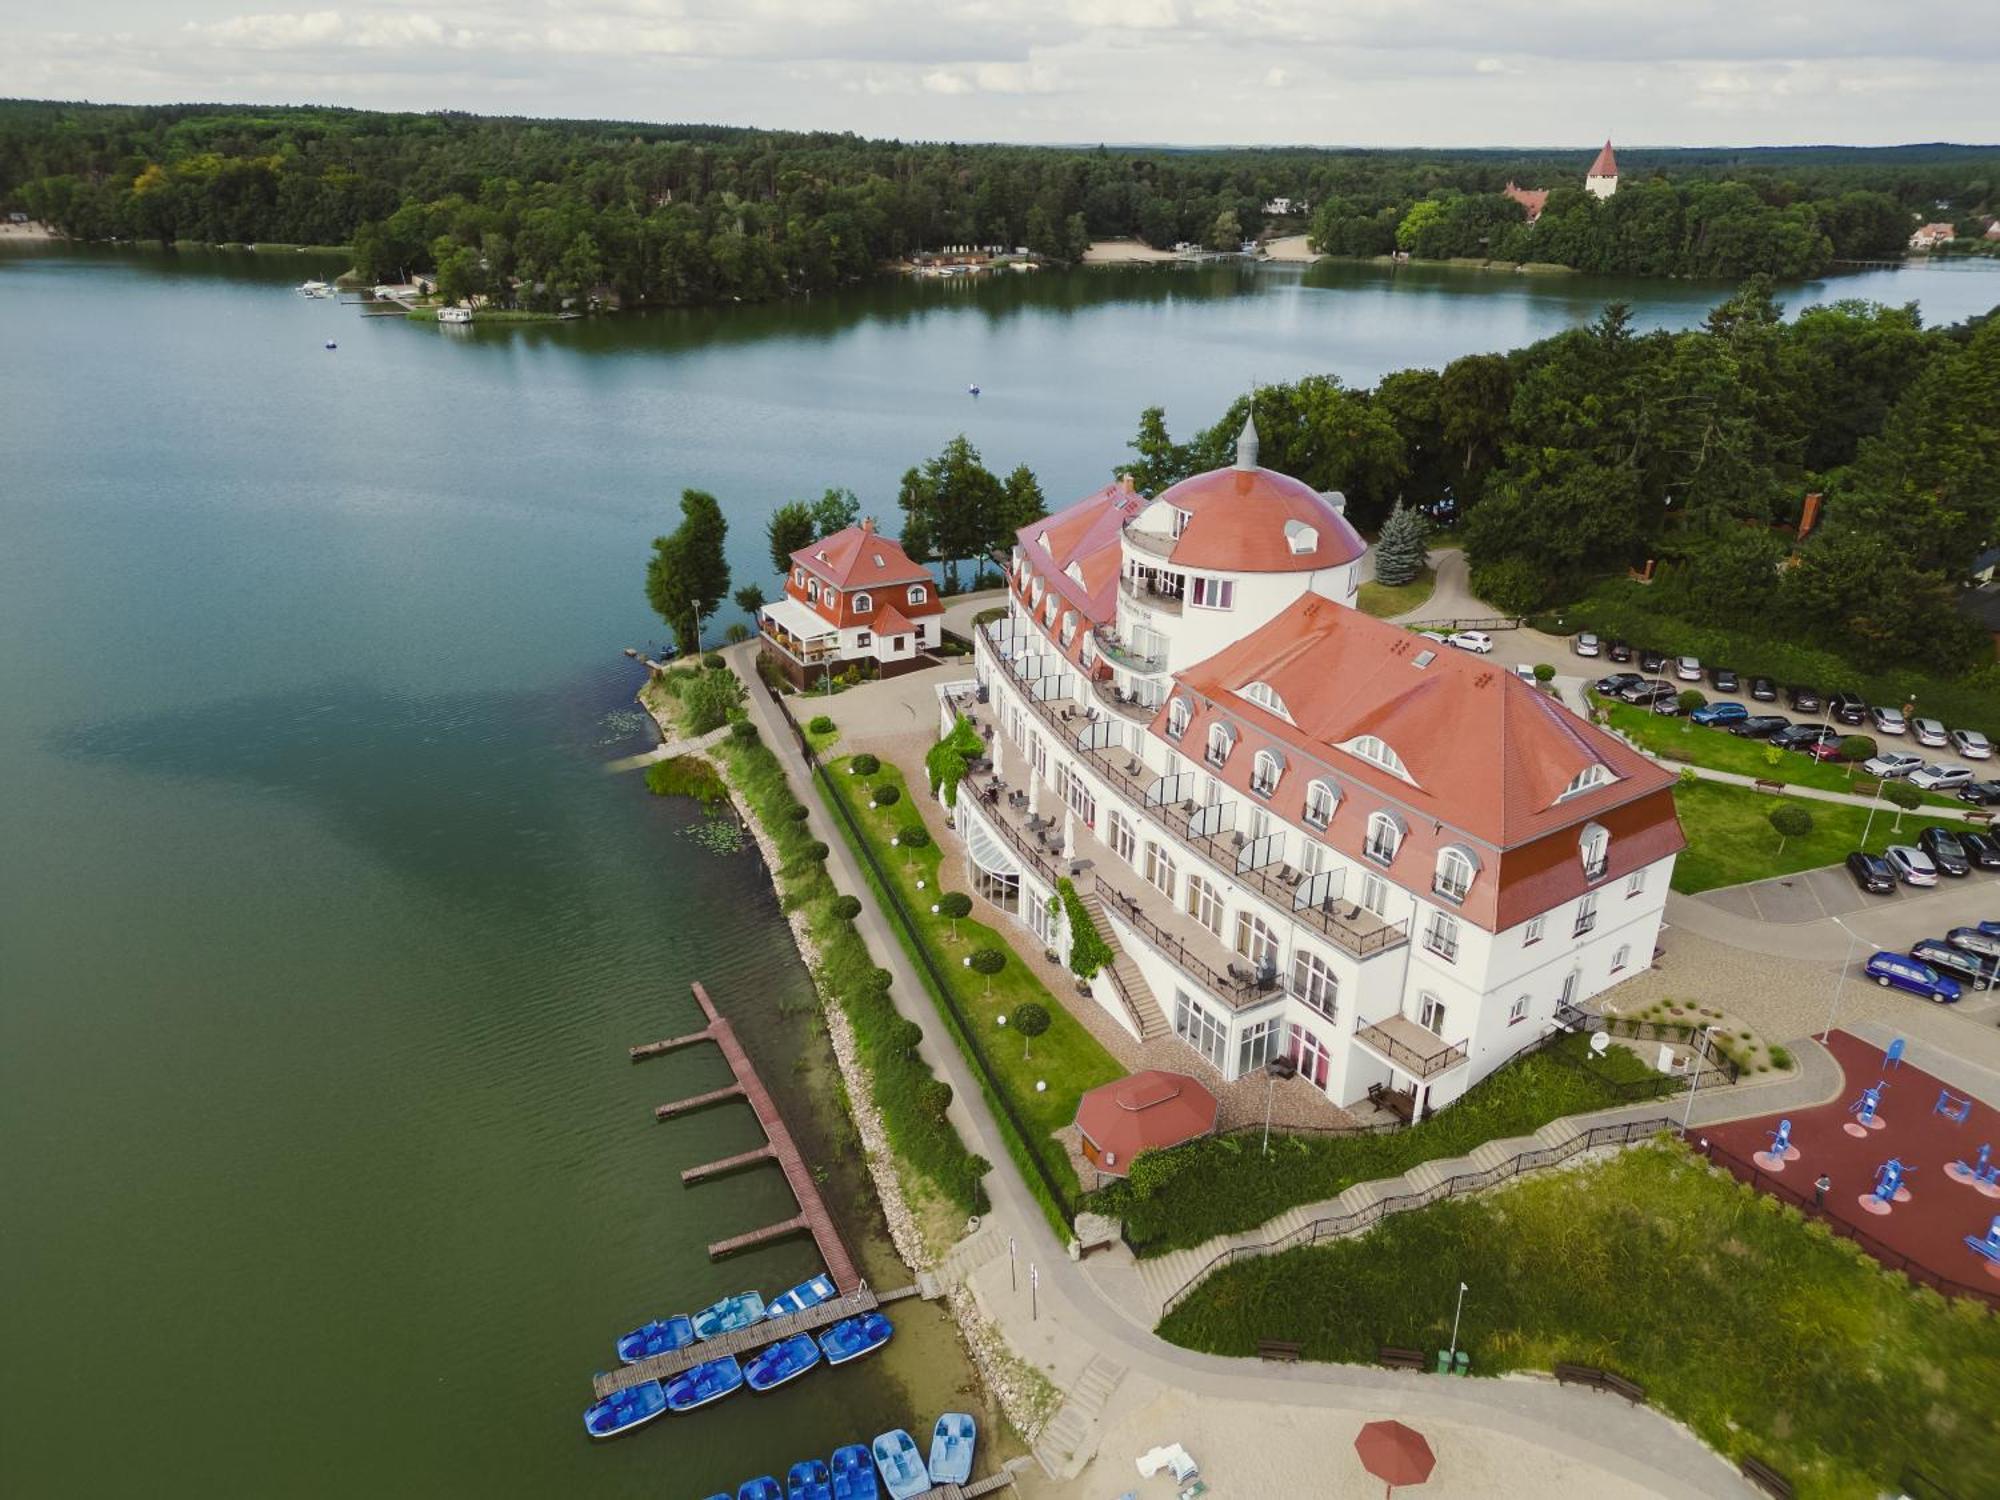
x,y
1066,1443
969,1254
1145,1010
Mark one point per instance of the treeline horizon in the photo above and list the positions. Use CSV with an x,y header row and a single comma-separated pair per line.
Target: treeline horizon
x,y
544,213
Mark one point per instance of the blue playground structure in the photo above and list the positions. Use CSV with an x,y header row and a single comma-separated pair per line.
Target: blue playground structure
x,y
1781,1140
1982,1171
1889,1180
1863,1109
1894,1057
1954,1107
1988,1248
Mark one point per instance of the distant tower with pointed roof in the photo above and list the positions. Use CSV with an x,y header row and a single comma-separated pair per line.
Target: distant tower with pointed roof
x,y
1602,179
1246,444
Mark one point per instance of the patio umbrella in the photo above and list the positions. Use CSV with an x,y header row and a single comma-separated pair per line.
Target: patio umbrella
x,y
1395,1454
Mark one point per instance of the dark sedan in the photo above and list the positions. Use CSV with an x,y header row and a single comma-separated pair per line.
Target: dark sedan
x,y
1943,848
1651,660
1980,793
1722,679
1973,969
1983,849
1760,726
1800,736
1619,650
1872,873
1803,700
1847,708
1648,692
1616,683
1763,690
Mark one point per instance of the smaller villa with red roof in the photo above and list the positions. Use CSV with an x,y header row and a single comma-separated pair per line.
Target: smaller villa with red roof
x,y
852,598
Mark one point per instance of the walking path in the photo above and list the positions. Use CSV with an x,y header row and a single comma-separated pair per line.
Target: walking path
x,y
1065,1319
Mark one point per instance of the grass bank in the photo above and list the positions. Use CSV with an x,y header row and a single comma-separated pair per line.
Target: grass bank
x,y
1226,1184
1766,1335
1384,600
1730,838
1067,1059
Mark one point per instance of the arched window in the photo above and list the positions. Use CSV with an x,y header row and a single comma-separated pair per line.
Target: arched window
x,y
812,589
1265,771
918,593
1377,752
1068,626
1588,779
1038,588
1266,697
1178,714
1455,869
1594,847
1221,739
1049,610
1385,837
863,604
1320,799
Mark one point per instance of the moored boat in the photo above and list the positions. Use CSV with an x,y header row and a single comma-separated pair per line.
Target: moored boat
x,y
763,1487
728,1315
621,1411
703,1384
900,1465
854,1474
808,1479
661,1336
788,1359
951,1448
806,1294
454,315
851,1338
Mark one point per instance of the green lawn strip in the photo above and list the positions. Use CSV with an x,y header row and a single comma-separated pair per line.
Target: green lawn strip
x,y
899,1080
1717,749
1226,1184
1384,600
1730,838
1766,1335
1067,1057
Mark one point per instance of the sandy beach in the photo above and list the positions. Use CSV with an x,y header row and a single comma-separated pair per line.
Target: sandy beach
x,y
32,230
1123,253
1292,247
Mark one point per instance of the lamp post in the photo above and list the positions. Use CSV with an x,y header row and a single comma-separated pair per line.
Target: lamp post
x,y
1840,977
1687,1116
1451,1360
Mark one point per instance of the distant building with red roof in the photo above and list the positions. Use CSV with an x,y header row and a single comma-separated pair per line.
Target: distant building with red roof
x,y
1534,200
851,597
1602,179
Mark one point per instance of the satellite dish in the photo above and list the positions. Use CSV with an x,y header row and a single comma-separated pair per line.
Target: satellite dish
x,y
1600,1042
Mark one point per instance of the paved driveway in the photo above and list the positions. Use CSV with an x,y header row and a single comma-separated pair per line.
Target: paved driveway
x,y
1887,921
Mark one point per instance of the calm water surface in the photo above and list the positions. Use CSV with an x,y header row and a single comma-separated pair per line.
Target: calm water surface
x,y
322,932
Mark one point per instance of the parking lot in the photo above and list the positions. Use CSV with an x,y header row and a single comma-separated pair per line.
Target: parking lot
x,y
1892,921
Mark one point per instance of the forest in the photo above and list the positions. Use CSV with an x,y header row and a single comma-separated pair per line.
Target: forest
x,y
536,213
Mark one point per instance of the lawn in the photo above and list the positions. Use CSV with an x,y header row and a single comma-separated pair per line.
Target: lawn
x,y
1730,838
1766,1335
1226,1184
1066,1057
1386,600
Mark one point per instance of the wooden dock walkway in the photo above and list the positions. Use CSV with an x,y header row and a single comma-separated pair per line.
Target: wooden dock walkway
x,y
743,1341
727,1165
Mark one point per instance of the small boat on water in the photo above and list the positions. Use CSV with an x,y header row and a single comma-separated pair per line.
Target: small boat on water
x,y
851,1338
763,1487
854,1474
788,1359
900,1465
621,1411
661,1336
809,1479
973,389
315,289
806,1294
454,315
331,344
951,1448
728,1315
703,1384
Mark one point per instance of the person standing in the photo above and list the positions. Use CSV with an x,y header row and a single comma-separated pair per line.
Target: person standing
x,y
1821,1189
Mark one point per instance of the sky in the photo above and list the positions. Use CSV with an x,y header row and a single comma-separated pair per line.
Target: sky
x,y
1194,72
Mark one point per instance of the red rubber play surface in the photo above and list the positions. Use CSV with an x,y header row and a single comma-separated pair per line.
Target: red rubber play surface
x,y
1930,1225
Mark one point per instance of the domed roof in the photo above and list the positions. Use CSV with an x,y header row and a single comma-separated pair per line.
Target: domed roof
x,y
1250,520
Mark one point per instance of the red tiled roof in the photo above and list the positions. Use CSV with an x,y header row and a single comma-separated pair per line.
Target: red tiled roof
x,y
1606,164
1086,534
859,557
1145,1112
888,620
1237,518
1534,200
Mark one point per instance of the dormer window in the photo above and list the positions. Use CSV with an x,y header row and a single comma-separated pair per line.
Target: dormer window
x,y
1456,867
864,604
1302,539
1377,752
1266,697
1068,626
1594,847
1049,610
799,577
1385,837
1265,772
1044,540
1321,799
1221,740
1037,594
1181,518
812,589
1177,718
1588,779
919,594
879,561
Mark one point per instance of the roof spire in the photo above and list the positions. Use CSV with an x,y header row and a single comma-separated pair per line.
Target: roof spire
x,y
1246,444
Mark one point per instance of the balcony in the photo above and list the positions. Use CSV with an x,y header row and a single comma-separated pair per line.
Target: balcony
x,y
1445,947
1115,650
1446,890
1163,598
1405,1045
1153,543
1594,869
1121,702
799,649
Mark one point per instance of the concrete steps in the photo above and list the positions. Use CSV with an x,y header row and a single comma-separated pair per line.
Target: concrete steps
x,y
1152,1021
1069,1439
970,1253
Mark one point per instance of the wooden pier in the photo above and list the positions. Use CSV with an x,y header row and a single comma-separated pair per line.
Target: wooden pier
x,y
699,1101
728,1164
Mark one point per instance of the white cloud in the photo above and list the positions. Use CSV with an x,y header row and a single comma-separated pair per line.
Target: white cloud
x,y
1276,78
944,82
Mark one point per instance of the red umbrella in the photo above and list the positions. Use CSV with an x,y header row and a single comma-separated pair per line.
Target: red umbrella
x,y
1395,1454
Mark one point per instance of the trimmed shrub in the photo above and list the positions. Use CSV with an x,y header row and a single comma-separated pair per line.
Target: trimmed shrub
x,y
1544,672
933,1099
798,812
816,851
864,765
907,1037
713,661
914,837
821,724
743,730
847,908
887,796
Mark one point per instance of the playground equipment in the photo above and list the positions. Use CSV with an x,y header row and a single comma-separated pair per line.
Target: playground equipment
x,y
1893,1058
1954,1107
1988,1248
1863,1110
1782,1150
1982,1174
1888,1187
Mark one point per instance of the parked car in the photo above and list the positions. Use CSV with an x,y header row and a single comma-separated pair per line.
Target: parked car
x,y
1872,873
1803,700
1587,644
1847,708
1983,849
1470,640
1763,690
1974,940
1971,744
1928,732
1892,763
1687,668
1829,749
1940,778
1966,968
1668,704
1723,680
1721,715
1647,690
1944,851
1760,726
1799,736
1651,660
1911,864
1616,683
1980,793
1919,978
1888,720
1619,650
1525,672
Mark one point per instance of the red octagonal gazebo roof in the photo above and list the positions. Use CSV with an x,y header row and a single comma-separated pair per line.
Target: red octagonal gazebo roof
x,y
1145,1112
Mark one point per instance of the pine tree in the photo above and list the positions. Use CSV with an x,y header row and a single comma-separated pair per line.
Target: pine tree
x,y
1400,551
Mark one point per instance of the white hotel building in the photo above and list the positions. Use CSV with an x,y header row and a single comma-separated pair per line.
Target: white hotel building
x,y
1304,830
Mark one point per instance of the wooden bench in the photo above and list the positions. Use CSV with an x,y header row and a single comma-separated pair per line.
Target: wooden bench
x,y
1588,1375
1631,1390
1399,1359
1766,1478
1279,1350
1776,788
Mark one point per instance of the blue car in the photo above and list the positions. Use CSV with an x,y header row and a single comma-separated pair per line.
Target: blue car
x,y
1719,714
1904,973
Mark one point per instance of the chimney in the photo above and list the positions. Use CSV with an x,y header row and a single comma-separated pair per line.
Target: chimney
x,y
1246,445
867,525
1335,499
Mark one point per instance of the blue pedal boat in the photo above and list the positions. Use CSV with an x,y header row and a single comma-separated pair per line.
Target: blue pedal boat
x,y
728,1315
854,1474
851,1338
806,1294
763,1487
951,1448
661,1336
703,1384
621,1411
788,1359
808,1479
900,1465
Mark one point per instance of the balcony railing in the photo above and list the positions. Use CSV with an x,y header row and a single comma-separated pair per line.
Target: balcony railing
x,y
1133,661
1150,596
802,651
1154,543
1412,1048
1449,890
1215,757
1121,702
1585,921
1593,869
1238,990
1444,946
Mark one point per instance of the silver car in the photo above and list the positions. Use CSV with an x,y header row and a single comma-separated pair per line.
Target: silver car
x,y
1911,864
1940,778
1888,720
1971,744
1687,668
1893,763
1929,732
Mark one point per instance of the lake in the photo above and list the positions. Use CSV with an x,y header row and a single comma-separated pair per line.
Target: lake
x,y
322,929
